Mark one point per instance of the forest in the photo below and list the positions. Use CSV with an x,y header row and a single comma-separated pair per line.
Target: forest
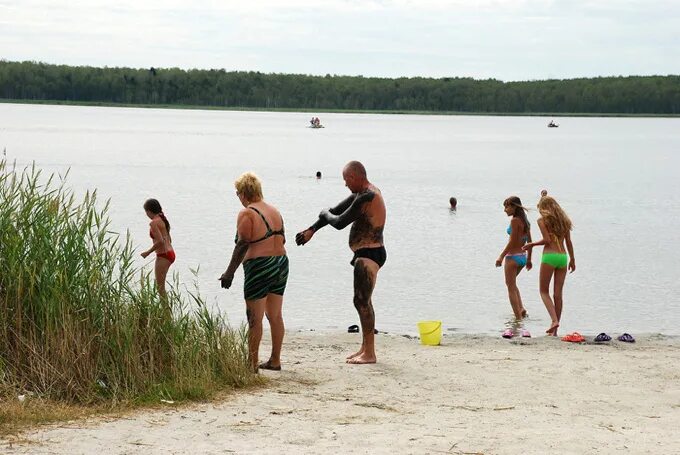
x,y
626,95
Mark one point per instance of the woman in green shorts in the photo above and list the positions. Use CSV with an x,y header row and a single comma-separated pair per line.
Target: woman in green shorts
x,y
555,227
259,246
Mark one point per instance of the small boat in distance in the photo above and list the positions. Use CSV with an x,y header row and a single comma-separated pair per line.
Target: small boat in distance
x,y
552,124
315,123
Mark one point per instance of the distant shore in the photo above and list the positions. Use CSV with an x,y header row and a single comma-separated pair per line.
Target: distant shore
x,y
330,111
473,394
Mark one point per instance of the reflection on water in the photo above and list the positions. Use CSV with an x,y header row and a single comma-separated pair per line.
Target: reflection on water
x,y
614,176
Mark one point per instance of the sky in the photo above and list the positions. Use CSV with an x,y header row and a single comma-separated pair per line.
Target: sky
x,y
502,39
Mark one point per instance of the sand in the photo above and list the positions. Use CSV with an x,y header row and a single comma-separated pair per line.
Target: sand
x,y
472,394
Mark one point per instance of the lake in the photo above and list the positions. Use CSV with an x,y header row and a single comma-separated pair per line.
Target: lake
x,y
617,178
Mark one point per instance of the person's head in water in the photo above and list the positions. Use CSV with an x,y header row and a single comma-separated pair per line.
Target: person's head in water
x,y
153,208
354,174
454,202
248,188
544,193
513,207
318,174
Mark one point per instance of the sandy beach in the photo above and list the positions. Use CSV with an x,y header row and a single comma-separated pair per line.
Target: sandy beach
x,y
471,395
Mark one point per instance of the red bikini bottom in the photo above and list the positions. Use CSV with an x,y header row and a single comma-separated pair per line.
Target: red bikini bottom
x,y
169,255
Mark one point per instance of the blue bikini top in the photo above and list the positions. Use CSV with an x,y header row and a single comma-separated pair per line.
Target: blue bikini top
x,y
525,239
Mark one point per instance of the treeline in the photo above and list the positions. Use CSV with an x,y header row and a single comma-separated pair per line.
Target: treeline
x,y
237,89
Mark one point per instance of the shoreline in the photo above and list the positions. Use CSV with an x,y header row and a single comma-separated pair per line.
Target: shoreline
x,y
472,394
458,335
330,111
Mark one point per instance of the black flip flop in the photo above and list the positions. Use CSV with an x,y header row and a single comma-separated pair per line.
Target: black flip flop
x,y
626,338
353,329
602,337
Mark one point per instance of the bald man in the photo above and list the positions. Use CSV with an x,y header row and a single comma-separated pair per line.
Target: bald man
x,y
365,210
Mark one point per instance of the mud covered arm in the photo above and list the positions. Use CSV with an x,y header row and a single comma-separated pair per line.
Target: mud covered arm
x,y
244,231
350,215
305,236
337,210
240,250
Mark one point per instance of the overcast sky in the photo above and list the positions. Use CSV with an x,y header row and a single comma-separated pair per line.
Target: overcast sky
x,y
502,39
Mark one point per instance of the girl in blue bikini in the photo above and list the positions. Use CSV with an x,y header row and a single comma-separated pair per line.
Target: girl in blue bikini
x,y
556,228
515,258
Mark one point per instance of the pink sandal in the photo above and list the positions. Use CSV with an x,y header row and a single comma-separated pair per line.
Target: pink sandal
x,y
508,333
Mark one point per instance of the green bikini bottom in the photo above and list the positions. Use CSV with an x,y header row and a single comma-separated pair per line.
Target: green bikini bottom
x,y
557,260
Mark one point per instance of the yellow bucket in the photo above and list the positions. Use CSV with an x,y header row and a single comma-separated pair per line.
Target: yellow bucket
x,y
430,332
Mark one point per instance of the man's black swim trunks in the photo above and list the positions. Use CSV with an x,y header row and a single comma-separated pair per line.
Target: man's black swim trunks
x,y
377,255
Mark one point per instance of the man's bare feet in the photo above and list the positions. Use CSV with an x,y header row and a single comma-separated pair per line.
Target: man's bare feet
x,y
552,330
524,313
362,359
356,354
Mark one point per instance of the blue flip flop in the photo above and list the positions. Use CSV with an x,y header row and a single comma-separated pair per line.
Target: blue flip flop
x,y
602,337
626,338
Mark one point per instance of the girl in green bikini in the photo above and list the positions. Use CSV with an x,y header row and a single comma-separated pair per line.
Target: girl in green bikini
x,y
556,228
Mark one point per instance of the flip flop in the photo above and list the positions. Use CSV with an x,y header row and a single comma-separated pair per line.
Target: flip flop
x,y
268,366
525,333
602,338
508,333
574,337
353,329
627,338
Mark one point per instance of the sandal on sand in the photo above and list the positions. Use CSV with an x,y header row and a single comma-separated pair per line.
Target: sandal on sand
x,y
574,337
626,338
508,333
602,337
353,329
525,333
268,366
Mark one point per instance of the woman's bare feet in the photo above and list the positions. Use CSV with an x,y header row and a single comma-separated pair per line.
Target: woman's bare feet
x,y
524,313
552,330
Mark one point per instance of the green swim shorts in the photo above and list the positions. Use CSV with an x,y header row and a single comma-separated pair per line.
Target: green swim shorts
x,y
265,275
557,260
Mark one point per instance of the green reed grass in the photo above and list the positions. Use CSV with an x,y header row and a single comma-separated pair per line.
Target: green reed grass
x,y
79,322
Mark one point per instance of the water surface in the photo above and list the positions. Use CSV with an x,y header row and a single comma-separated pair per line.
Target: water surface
x,y
616,177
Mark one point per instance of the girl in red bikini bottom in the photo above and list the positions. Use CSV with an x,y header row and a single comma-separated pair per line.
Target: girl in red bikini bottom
x,y
159,231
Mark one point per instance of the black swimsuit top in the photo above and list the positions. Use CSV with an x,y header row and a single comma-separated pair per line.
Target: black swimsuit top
x,y
269,233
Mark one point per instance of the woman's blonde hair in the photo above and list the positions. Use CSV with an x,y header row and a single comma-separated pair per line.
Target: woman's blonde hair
x,y
248,185
555,218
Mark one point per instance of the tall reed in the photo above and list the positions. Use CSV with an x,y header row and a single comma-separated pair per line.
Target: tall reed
x,y
79,322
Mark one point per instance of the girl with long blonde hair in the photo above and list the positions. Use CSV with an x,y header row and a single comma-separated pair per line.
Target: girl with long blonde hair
x,y
555,227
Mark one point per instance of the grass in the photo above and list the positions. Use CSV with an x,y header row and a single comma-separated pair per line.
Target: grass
x,y
82,328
